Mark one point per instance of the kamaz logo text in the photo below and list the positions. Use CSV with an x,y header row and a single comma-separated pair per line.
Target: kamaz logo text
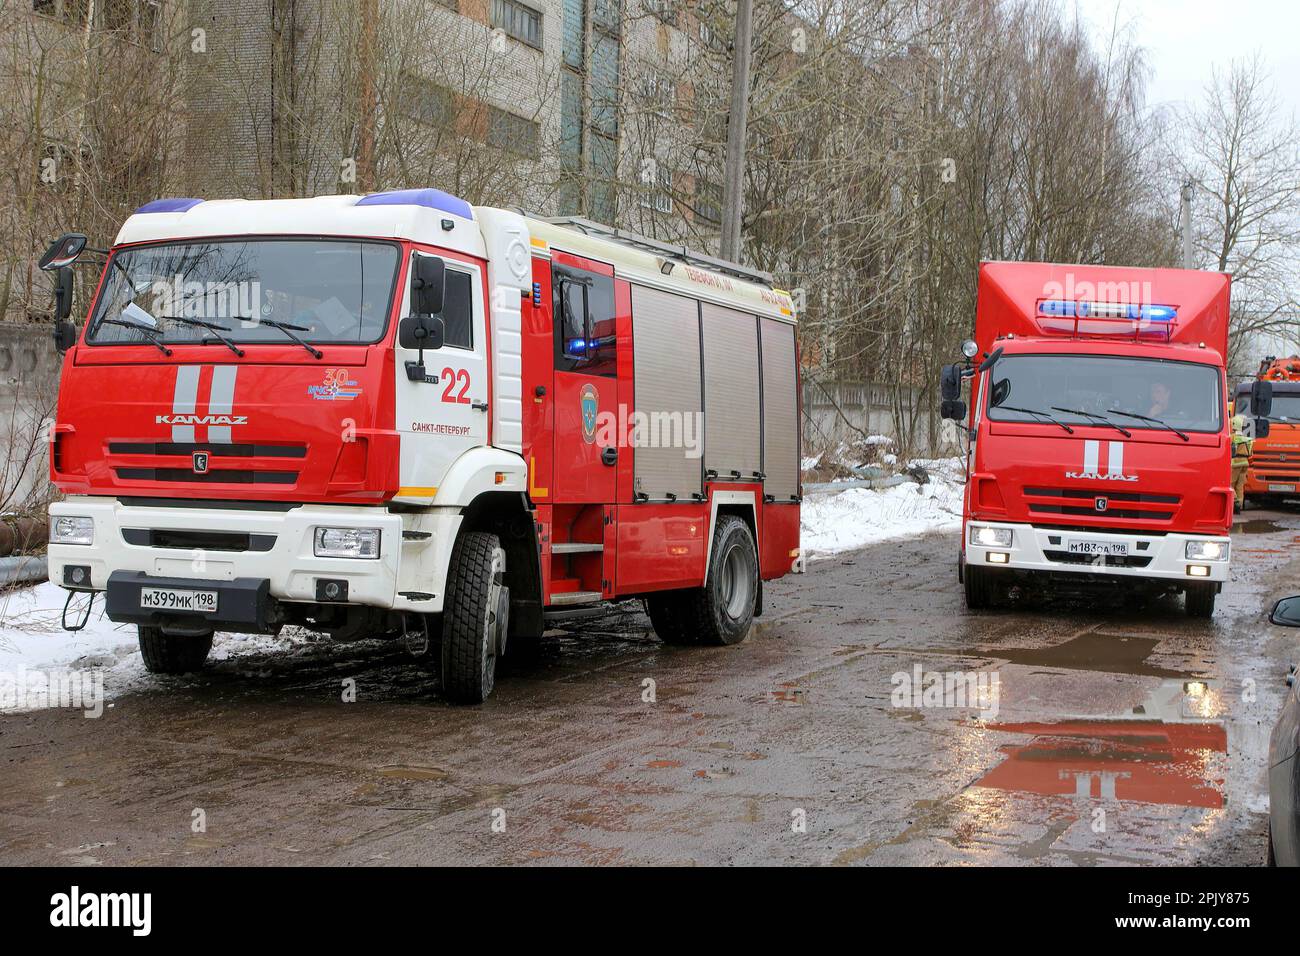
x,y
201,420
1092,463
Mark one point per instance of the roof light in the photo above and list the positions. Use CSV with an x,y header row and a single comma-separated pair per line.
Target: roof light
x,y
169,205
430,198
1064,308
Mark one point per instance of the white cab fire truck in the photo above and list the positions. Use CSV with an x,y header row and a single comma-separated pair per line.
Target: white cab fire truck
x,y
398,413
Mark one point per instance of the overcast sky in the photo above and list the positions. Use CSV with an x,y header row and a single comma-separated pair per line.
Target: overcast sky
x,y
1184,39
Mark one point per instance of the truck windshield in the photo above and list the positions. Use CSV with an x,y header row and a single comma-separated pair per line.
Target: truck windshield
x,y
322,290
1094,389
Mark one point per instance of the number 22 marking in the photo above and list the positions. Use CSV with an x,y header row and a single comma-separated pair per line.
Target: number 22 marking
x,y
452,377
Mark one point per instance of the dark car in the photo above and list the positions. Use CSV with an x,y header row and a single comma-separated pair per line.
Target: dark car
x,y
1283,764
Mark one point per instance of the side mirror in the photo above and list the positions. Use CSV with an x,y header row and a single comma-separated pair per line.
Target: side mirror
x,y
428,281
950,383
1286,612
1261,398
63,251
1262,426
62,293
65,336
992,360
421,332
954,409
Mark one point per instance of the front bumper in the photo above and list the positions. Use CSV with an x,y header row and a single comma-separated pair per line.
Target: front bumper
x,y
269,547
1046,550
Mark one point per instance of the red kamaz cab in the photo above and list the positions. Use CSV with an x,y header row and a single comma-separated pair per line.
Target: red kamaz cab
x,y
1099,440
401,414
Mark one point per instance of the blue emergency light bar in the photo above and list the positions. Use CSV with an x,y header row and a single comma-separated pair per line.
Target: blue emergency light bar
x,y
1066,309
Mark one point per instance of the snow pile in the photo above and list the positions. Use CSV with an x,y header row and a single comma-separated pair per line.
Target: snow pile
x,y
835,521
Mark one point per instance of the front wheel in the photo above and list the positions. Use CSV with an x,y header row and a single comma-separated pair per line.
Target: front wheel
x,y
173,653
475,618
980,586
1200,599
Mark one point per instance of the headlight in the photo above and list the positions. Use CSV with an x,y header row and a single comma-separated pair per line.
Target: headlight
x,y
67,529
1207,551
987,537
347,543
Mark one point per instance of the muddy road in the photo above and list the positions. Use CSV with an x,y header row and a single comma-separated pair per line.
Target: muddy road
x,y
1102,733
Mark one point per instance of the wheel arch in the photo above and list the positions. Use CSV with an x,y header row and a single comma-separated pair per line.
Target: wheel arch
x,y
739,504
507,515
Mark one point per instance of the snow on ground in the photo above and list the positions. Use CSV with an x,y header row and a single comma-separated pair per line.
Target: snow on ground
x,y
34,648
835,521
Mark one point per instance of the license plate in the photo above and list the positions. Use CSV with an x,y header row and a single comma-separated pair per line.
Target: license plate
x,y
1281,487
1099,547
178,599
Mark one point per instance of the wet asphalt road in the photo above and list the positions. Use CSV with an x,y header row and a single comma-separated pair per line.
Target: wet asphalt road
x,y
1118,735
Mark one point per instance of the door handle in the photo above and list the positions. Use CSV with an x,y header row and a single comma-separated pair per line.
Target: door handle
x,y
479,406
609,455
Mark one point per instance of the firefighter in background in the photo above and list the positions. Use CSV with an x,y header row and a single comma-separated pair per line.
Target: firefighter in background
x,y
1243,446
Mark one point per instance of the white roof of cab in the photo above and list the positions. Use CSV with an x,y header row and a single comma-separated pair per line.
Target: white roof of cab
x,y
424,215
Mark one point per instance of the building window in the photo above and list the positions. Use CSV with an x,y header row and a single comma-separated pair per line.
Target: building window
x,y
708,202
517,20
424,101
512,133
659,195
663,10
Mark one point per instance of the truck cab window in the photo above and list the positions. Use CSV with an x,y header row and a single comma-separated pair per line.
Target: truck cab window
x,y
458,310
584,321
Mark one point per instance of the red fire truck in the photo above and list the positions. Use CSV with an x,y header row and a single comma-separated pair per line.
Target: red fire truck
x,y
1274,472
1099,441
402,414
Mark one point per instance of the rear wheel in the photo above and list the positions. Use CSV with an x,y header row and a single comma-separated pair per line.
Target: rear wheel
x,y
173,653
1200,599
722,611
474,618
980,587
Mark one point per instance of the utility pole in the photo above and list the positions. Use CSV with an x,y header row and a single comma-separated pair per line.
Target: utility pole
x,y
1185,214
366,53
733,187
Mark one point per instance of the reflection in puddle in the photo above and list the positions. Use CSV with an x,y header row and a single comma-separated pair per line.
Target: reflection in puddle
x,y
1257,526
1143,761
1111,653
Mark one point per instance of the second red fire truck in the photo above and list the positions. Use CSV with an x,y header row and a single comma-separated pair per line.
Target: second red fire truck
x,y
1099,436
401,413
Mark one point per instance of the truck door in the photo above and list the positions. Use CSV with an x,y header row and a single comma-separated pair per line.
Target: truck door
x,y
586,389
446,413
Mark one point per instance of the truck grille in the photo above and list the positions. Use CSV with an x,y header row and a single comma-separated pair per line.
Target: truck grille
x,y
1108,561
214,450
192,540
1120,504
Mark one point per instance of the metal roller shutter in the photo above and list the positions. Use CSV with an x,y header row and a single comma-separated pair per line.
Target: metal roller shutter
x,y
731,392
780,411
666,382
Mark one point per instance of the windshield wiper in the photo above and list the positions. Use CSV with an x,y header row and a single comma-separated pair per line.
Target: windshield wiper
x,y
140,327
1097,418
1148,418
1033,411
213,327
288,328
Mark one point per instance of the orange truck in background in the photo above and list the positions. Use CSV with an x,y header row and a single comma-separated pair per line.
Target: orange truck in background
x,y
1274,472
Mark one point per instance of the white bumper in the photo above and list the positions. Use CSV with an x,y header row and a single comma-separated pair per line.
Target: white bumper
x,y
1149,555
409,574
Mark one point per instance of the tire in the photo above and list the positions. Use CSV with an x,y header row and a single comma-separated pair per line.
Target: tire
x,y
1200,600
666,615
173,653
472,627
721,612
980,588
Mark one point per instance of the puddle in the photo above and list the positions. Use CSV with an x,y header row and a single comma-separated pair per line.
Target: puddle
x,y
1140,761
1257,526
1108,653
